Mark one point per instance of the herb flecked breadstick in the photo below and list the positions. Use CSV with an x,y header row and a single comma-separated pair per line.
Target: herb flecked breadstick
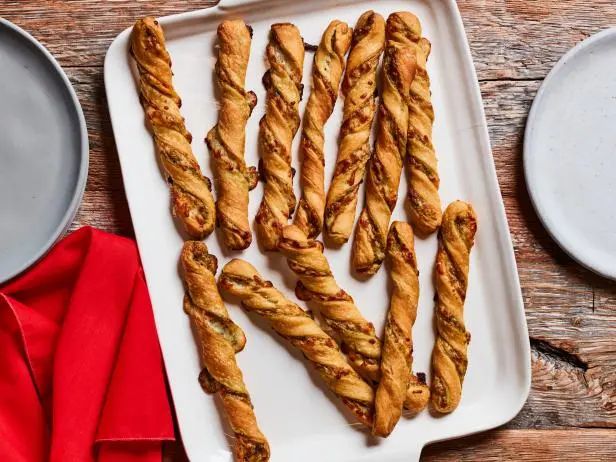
x,y
359,88
226,140
219,340
355,334
449,357
326,74
397,354
191,199
283,82
385,167
259,296
317,284
425,203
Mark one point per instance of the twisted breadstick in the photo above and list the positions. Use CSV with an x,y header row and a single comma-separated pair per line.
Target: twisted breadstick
x,y
396,358
385,167
219,340
326,74
191,199
425,210
285,55
356,335
359,88
226,139
449,357
317,284
242,280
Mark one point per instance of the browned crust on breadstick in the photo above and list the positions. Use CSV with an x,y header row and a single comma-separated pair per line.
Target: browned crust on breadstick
x,y
396,357
423,196
355,334
191,199
259,296
449,357
283,82
219,340
359,88
326,74
385,168
318,286
227,138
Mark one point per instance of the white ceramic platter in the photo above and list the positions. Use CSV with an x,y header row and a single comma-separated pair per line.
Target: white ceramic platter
x,y
302,420
569,153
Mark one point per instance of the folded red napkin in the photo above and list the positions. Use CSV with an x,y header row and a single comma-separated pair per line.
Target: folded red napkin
x,y
81,373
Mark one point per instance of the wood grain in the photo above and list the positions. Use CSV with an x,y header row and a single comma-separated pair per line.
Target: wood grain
x,y
571,312
527,446
510,39
502,445
523,39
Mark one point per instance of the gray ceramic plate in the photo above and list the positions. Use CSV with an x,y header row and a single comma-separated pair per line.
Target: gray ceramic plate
x,y
43,151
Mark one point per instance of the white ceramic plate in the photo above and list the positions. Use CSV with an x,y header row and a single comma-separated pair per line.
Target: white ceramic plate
x,y
43,151
302,421
570,153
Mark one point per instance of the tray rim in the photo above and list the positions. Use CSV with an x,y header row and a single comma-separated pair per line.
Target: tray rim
x,y
483,138
82,176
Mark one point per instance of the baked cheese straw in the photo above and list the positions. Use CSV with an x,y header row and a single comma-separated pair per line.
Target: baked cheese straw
x,y
326,74
355,333
219,340
423,196
283,82
396,357
359,89
449,357
232,179
317,285
192,202
385,167
241,279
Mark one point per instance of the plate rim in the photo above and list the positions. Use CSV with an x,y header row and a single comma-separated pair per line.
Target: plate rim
x,y
528,150
82,176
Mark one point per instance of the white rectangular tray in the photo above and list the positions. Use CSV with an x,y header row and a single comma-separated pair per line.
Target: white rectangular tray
x,y
302,420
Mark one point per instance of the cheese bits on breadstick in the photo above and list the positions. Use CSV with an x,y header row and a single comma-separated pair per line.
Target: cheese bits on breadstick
x,y
192,202
449,357
326,74
232,179
219,339
385,167
283,82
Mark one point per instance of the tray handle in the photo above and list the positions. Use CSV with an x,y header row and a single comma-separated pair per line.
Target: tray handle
x,y
231,4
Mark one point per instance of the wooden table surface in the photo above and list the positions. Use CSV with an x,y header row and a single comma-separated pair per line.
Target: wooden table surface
x,y
571,411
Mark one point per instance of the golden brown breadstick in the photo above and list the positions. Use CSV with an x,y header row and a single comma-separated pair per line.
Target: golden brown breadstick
x,y
385,168
359,88
227,138
425,210
317,284
219,340
449,357
283,82
356,335
396,357
259,296
191,199
326,74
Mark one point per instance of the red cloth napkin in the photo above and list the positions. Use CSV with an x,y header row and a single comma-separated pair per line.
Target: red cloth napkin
x,y
81,374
